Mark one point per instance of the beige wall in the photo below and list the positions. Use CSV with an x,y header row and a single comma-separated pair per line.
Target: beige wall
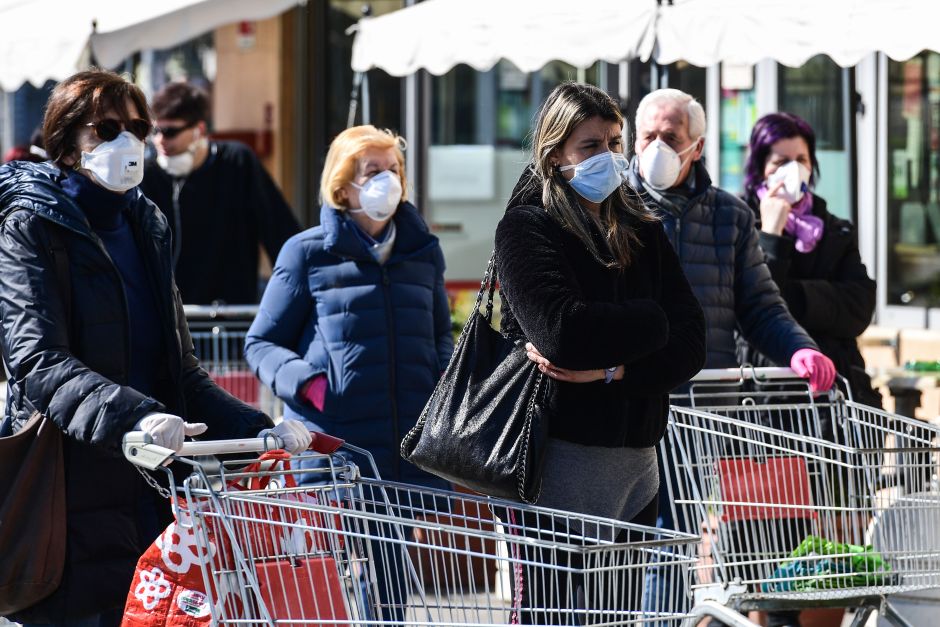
x,y
246,80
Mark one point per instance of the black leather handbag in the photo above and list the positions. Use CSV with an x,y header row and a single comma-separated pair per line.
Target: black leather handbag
x,y
485,425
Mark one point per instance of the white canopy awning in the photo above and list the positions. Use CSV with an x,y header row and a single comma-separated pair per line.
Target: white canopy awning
x,y
705,32
436,35
49,39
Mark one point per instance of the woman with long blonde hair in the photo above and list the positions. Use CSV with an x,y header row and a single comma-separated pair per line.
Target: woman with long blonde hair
x,y
592,286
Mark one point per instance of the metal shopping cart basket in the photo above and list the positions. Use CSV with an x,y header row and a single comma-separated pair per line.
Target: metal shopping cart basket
x,y
346,549
802,502
218,333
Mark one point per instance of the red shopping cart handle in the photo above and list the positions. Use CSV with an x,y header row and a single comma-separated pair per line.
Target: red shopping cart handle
x,y
325,444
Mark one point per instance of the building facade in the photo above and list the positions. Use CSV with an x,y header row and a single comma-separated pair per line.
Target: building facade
x,y
285,86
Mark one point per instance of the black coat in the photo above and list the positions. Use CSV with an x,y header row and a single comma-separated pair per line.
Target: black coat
x,y
226,209
74,371
581,315
828,291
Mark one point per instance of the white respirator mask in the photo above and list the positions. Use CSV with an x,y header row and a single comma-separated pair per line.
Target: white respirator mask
x,y
379,197
117,165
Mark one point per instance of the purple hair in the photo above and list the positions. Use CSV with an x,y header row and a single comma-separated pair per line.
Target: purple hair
x,y
768,131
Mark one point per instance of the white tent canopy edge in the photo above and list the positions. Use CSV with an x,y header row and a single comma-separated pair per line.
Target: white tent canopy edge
x,y
436,35
50,39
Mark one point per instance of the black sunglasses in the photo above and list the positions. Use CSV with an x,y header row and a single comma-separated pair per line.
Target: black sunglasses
x,y
109,128
169,132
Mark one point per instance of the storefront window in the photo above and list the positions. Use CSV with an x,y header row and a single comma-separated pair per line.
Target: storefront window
x,y
738,114
817,91
384,91
480,131
914,181
193,61
688,78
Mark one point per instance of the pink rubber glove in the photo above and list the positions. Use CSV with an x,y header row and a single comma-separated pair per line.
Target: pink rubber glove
x,y
810,364
314,391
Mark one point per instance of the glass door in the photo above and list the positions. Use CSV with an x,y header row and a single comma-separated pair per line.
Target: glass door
x,y
912,252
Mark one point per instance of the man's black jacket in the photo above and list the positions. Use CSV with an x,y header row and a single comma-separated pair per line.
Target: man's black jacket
x,y
219,216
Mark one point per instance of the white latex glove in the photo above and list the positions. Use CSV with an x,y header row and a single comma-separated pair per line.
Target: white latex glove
x,y
294,435
169,431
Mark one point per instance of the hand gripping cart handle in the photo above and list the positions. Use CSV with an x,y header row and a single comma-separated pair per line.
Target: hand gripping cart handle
x,y
139,448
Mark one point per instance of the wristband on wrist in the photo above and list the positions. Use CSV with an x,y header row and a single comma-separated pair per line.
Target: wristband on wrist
x,y
609,374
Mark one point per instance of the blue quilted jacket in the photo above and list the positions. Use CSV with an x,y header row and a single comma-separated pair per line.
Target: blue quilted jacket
x,y
380,333
714,235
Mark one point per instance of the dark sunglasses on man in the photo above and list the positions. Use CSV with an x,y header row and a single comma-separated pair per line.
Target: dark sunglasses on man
x,y
109,128
169,132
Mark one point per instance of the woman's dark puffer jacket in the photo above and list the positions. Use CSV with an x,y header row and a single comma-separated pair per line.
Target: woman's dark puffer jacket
x,y
829,293
75,373
581,315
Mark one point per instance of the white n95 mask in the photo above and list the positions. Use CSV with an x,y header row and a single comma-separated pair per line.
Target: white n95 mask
x,y
117,165
380,195
660,164
597,177
181,164
795,177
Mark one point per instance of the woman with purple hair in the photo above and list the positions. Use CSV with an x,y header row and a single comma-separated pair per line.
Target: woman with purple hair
x,y
813,255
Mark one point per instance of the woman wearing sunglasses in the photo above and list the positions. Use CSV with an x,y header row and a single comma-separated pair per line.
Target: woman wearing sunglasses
x,y
93,336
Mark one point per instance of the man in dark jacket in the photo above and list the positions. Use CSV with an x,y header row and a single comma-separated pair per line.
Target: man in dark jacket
x,y
221,203
713,233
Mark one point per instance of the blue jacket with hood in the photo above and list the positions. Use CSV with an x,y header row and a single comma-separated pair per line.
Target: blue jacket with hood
x,y
380,333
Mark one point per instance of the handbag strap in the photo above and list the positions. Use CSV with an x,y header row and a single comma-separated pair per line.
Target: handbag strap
x,y
488,286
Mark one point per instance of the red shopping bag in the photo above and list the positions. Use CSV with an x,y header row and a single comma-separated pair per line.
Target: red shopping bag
x,y
168,587
269,530
303,588
774,488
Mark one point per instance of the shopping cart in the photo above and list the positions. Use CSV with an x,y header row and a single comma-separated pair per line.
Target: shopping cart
x,y
802,502
355,550
218,333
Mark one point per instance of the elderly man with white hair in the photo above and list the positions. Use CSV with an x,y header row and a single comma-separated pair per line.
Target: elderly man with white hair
x,y
714,235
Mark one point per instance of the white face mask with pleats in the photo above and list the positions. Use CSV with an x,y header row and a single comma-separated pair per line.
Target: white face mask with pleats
x,y
117,165
597,177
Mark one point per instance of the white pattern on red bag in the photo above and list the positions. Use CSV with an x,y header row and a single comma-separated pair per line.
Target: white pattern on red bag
x,y
179,548
152,589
